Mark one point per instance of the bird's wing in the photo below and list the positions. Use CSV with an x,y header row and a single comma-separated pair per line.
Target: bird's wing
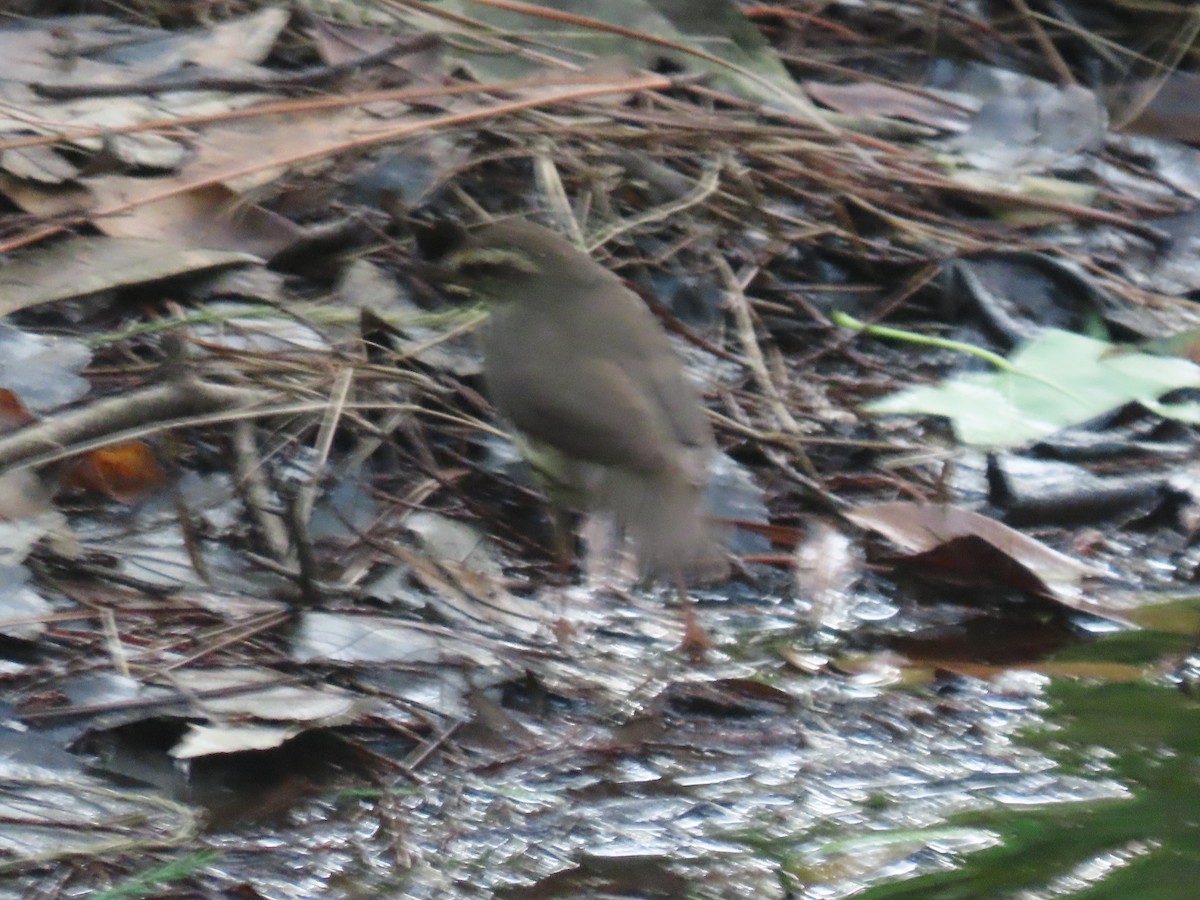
x,y
634,340
680,402
594,413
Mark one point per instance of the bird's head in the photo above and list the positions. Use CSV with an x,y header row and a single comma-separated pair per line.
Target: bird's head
x,y
503,261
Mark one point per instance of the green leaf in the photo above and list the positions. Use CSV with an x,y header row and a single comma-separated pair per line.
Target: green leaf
x,y
1058,379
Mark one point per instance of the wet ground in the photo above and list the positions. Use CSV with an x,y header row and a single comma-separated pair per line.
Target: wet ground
x,y
771,770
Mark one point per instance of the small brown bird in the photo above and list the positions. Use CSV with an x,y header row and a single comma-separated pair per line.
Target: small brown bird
x,y
586,374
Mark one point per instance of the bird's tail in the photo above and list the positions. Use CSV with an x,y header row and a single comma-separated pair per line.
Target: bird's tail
x,y
665,518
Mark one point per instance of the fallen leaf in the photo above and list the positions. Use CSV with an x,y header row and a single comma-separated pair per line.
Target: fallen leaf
x,y
123,472
1055,380
965,545
208,740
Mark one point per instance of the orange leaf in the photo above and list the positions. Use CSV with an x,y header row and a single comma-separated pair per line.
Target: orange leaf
x,y
124,472
13,413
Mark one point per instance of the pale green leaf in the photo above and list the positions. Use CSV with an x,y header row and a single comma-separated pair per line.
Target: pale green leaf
x,y
1058,379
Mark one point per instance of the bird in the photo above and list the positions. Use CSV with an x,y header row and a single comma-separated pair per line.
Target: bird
x,y
601,403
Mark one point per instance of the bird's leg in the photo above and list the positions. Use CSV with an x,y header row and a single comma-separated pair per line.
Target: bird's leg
x,y
607,562
695,639
563,538
563,548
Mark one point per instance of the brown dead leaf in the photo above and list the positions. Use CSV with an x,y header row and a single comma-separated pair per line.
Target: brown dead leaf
x,y
962,545
82,266
123,472
13,413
